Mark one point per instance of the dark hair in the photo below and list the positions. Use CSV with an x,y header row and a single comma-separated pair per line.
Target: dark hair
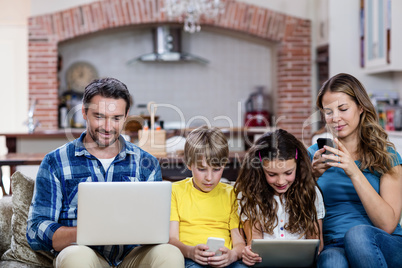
x,y
257,201
109,88
373,145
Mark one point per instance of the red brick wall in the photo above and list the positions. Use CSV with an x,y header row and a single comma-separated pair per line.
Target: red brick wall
x,y
292,35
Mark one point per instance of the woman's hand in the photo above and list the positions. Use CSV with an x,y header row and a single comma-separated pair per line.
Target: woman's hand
x,y
319,164
200,255
342,158
250,258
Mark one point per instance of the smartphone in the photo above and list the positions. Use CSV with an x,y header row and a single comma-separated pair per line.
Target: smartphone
x,y
328,142
214,244
325,141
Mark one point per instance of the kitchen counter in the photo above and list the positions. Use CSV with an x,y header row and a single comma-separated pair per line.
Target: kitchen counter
x,y
172,166
48,140
235,131
46,133
39,141
26,149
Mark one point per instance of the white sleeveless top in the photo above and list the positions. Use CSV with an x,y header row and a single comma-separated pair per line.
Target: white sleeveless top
x,y
283,218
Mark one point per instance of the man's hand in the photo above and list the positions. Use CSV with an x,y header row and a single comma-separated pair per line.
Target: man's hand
x,y
64,237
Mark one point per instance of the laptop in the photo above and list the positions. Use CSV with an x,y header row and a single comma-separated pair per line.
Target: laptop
x,y
123,213
286,253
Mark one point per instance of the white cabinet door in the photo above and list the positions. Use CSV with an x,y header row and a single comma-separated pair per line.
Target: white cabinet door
x,y
376,25
381,36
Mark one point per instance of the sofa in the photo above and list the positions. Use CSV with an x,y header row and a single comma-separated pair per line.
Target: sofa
x,y
14,249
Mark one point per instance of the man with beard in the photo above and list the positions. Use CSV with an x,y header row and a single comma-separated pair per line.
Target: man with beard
x,y
99,155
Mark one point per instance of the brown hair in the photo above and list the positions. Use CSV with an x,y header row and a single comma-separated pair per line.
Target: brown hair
x,y
373,146
256,196
108,88
208,143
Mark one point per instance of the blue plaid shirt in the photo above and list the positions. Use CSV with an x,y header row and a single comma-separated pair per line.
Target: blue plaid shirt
x,y
54,203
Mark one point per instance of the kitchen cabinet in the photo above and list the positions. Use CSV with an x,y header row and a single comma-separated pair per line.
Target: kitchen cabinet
x,y
381,36
39,141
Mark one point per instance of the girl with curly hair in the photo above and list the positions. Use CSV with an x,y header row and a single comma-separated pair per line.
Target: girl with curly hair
x,y
362,185
278,195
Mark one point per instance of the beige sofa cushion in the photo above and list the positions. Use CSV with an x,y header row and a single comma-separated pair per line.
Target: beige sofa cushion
x,y
6,211
20,250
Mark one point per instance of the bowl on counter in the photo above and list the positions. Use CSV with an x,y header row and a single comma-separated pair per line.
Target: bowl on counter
x,y
136,122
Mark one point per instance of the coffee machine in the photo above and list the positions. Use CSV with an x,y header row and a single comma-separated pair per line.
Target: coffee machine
x,y
257,114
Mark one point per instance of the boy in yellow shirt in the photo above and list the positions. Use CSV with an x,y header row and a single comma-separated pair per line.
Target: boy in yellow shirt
x,y
204,207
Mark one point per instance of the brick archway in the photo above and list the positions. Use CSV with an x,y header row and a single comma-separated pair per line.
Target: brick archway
x,y
293,36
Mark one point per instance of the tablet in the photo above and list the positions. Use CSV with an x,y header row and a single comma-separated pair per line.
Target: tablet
x,y
286,253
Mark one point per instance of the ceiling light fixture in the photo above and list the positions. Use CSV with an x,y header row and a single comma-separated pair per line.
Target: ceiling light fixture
x,y
192,11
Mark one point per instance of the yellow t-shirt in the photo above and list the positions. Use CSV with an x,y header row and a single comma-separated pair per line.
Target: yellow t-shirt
x,y
202,215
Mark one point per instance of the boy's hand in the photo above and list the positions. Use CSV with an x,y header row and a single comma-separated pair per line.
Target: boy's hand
x,y
250,258
228,257
200,255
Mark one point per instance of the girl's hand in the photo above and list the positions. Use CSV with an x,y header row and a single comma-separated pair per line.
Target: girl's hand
x,y
227,258
200,255
341,158
250,258
319,164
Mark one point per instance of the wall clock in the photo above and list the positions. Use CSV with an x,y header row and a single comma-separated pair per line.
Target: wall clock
x,y
79,75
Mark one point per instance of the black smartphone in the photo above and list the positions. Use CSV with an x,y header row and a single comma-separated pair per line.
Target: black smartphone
x,y
325,141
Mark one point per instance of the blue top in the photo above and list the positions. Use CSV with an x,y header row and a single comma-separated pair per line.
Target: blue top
x,y
54,202
343,206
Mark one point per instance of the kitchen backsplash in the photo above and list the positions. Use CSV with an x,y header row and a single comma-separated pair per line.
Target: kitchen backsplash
x,y
200,92
290,35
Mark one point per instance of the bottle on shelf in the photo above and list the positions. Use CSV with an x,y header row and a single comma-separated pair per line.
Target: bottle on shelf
x,y
63,111
145,126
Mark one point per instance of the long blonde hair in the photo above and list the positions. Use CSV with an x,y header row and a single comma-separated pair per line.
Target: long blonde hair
x,y
373,146
256,196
